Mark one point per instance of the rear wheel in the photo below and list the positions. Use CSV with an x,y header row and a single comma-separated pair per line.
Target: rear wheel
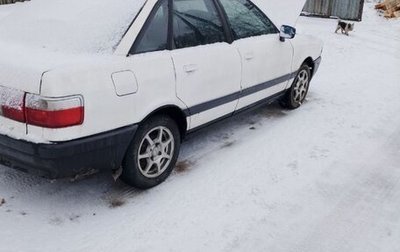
x,y
297,93
152,154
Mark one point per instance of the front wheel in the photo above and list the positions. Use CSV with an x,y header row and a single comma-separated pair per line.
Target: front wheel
x,y
153,153
297,93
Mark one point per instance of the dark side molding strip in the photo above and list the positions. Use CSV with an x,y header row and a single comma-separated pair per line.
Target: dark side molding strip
x,y
255,105
237,95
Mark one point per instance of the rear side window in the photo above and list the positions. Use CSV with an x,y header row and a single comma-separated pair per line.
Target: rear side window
x,y
155,35
196,22
246,19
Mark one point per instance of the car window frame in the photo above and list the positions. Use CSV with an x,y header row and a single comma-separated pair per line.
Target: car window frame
x,y
149,19
221,16
264,15
170,34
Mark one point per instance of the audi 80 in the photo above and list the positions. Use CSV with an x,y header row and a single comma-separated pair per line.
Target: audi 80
x,y
117,85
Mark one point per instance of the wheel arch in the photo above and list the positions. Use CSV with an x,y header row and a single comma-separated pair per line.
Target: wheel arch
x,y
310,63
175,113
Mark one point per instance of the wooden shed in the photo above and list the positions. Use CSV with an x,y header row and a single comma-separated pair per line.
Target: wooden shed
x,y
11,1
343,9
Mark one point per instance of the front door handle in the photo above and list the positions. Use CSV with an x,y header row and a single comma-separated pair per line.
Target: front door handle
x,y
190,68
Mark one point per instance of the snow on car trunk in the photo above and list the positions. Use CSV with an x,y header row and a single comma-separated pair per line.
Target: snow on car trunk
x,y
22,67
79,26
40,35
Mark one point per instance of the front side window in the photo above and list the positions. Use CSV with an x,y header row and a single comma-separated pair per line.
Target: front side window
x,y
246,19
196,22
155,35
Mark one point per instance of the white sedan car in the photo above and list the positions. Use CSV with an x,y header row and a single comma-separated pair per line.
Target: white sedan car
x,y
108,85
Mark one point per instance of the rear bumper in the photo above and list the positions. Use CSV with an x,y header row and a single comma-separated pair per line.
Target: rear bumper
x,y
66,159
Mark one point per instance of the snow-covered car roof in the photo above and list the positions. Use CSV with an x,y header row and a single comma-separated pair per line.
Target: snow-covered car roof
x,y
94,26
78,26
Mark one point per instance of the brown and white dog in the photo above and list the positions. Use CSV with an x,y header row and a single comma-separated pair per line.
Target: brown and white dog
x,y
344,27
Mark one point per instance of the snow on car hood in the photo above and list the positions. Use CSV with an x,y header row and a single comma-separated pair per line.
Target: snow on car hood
x,y
282,12
78,26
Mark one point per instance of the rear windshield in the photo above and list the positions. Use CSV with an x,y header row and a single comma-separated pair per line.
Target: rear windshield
x,y
78,26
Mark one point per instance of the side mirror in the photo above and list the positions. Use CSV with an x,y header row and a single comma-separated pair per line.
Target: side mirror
x,y
287,32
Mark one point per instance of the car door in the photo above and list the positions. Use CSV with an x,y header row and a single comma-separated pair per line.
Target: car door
x,y
208,69
266,61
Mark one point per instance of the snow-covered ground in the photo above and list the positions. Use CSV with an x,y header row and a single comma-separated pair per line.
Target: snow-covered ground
x,y
323,178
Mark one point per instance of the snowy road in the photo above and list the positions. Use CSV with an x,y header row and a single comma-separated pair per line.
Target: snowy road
x,y
323,178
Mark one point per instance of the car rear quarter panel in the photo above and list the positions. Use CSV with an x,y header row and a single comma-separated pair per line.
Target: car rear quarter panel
x,y
104,109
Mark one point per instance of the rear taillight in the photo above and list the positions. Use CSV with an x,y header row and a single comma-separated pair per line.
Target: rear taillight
x,y
54,112
12,104
41,111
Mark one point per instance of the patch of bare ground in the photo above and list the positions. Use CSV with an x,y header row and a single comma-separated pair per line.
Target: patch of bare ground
x,y
2,201
74,217
183,166
116,202
228,144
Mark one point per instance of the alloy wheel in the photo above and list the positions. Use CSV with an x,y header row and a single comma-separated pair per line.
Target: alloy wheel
x,y
301,86
155,152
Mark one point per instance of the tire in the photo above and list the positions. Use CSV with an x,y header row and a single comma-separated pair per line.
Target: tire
x,y
297,93
152,154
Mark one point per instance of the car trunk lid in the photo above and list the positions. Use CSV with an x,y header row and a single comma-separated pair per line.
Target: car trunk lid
x,y
22,68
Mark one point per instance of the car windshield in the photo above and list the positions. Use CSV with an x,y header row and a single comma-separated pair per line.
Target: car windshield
x,y
77,26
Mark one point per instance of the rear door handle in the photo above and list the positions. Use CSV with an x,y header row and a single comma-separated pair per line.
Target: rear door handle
x,y
249,56
190,68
